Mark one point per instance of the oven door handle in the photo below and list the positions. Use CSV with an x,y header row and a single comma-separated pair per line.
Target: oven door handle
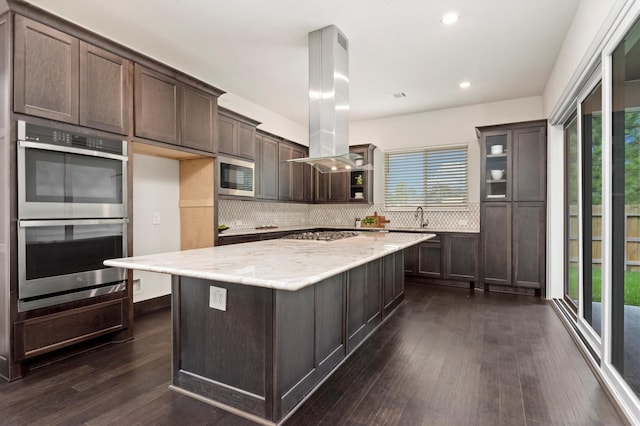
x,y
72,150
62,222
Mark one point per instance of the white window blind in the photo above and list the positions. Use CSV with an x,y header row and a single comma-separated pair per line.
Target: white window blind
x,y
435,177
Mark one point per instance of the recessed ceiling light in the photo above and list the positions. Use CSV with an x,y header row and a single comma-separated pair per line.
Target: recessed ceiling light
x,y
450,18
464,84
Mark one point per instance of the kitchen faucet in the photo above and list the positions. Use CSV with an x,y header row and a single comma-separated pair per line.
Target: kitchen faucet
x,y
420,211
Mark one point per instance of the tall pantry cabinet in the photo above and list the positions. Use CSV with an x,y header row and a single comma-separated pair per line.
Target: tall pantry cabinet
x,y
513,206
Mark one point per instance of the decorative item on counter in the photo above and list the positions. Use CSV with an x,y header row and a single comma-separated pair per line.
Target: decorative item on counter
x,y
222,228
358,222
374,221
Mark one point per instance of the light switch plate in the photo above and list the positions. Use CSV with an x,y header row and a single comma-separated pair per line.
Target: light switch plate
x,y
218,298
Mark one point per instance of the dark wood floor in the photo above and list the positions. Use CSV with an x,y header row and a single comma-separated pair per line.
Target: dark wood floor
x,y
445,357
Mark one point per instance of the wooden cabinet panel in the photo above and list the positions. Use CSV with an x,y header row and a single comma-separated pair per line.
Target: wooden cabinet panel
x,y
398,282
373,291
388,277
198,119
430,259
104,90
156,105
496,243
46,71
37,336
528,237
338,187
236,134
268,164
329,317
461,257
285,152
246,141
226,135
411,260
298,176
529,164
356,297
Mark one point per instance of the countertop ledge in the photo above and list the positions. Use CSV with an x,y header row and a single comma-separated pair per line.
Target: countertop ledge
x,y
280,264
292,228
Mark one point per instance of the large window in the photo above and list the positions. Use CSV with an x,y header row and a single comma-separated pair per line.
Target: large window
x,y
435,177
625,209
572,278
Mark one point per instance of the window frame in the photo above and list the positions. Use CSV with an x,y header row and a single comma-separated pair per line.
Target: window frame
x,y
462,206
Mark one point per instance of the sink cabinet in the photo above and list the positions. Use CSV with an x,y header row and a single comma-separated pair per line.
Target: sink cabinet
x,y
446,257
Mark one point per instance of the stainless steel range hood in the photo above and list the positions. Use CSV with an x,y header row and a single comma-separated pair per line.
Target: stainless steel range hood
x,y
329,104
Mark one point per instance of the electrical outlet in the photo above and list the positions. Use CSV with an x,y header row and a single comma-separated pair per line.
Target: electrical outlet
x,y
463,222
137,286
238,223
218,298
156,218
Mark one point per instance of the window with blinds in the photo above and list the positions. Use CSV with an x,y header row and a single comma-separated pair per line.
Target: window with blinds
x,y
432,177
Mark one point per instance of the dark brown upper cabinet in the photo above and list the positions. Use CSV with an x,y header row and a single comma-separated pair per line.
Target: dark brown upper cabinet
x,y
104,89
347,187
199,119
62,78
294,179
236,134
267,167
529,164
46,71
157,103
513,162
285,153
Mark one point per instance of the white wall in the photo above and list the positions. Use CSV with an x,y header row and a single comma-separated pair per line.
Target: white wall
x,y
156,189
446,127
587,23
271,122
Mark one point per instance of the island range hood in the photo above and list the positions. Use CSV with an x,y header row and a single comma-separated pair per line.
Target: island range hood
x,y
329,104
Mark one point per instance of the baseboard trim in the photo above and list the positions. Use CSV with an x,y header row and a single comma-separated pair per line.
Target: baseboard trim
x,y
150,305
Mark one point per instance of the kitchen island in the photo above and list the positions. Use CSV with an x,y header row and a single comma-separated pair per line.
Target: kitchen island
x,y
258,326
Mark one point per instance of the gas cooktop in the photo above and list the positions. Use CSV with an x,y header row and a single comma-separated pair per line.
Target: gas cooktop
x,y
321,236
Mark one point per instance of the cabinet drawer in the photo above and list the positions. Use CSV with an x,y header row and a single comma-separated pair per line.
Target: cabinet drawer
x,y
44,334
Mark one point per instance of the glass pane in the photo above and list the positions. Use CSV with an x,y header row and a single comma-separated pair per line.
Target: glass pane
x,y
625,209
496,166
572,237
592,207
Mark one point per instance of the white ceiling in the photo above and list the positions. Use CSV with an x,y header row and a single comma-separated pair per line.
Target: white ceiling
x,y
257,49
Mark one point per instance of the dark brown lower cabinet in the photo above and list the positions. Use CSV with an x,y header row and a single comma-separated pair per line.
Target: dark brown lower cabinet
x,y
430,259
496,243
528,239
271,348
447,257
513,245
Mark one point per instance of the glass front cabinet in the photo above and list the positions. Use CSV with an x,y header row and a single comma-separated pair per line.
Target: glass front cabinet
x,y
496,166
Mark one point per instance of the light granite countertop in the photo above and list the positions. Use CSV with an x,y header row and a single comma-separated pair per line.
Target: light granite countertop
x,y
280,264
292,228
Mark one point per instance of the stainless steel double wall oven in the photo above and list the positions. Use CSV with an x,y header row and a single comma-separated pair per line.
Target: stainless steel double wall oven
x,y
72,215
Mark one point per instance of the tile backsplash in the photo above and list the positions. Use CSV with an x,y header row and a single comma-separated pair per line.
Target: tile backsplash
x,y
241,214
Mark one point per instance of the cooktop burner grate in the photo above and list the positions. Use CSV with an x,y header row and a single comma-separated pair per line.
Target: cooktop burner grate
x,y
321,236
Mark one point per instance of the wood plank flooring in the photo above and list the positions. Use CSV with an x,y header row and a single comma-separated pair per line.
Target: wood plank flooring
x,y
446,357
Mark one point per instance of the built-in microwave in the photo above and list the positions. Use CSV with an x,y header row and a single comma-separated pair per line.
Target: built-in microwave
x,y
236,177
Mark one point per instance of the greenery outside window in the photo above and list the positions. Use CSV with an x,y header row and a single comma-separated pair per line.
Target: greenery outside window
x,y
429,177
